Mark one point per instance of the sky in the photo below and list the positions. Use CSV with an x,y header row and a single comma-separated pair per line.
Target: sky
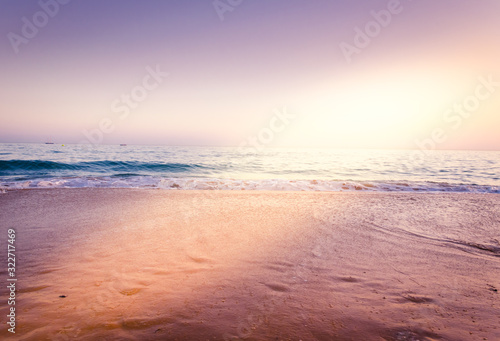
x,y
292,73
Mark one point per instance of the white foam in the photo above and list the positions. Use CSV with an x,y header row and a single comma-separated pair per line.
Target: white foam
x,y
236,184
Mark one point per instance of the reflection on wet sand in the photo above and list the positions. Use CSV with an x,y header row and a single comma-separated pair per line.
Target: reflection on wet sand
x,y
147,264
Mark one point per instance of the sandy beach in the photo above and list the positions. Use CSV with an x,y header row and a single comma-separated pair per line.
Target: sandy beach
x,y
139,264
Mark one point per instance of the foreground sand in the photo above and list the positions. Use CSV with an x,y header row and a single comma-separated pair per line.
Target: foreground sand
x,y
203,265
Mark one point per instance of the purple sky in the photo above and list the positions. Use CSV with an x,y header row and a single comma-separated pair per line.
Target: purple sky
x,y
67,81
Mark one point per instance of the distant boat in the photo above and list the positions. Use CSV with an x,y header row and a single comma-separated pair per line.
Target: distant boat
x,y
49,142
123,144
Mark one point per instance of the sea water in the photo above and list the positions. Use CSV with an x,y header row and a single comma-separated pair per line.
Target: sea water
x,y
227,168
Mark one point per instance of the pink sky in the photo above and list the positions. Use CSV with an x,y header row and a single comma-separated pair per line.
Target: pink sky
x,y
226,77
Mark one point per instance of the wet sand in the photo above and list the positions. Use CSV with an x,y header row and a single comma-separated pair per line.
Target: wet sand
x,y
203,265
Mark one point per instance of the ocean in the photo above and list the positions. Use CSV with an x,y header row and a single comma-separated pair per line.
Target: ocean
x,y
410,251
226,168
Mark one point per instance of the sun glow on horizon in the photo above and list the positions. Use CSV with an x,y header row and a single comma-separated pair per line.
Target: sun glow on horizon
x,y
374,113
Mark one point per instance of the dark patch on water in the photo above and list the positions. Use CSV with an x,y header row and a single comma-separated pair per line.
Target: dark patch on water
x,y
42,167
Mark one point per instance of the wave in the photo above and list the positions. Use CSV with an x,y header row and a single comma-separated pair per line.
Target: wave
x,y
21,167
131,180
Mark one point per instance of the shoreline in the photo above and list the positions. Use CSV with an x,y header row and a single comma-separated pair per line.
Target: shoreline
x,y
201,191
227,265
